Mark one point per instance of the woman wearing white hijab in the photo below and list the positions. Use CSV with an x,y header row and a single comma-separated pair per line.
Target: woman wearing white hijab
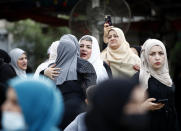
x,y
19,62
155,78
90,51
86,73
147,69
118,54
52,58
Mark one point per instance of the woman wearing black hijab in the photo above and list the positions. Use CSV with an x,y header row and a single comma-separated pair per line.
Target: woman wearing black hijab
x,y
3,55
6,71
116,106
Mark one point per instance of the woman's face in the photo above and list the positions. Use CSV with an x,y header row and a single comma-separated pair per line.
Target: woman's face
x,y
11,102
22,62
85,49
156,57
113,40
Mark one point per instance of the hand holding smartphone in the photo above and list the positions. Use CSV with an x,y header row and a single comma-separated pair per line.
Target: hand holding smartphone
x,y
107,27
163,101
107,19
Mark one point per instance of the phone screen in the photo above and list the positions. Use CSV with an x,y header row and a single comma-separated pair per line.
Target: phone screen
x,y
161,101
107,19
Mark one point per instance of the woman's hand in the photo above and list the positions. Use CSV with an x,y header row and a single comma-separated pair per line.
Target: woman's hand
x,y
136,67
150,105
106,30
52,72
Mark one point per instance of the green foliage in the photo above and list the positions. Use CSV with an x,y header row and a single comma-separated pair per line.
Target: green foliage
x,y
35,38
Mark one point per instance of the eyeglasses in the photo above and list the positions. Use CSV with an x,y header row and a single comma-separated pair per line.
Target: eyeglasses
x,y
114,36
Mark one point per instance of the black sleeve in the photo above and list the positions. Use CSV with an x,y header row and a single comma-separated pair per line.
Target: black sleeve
x,y
90,77
108,69
104,45
135,77
87,75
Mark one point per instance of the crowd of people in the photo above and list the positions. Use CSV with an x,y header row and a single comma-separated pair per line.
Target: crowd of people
x,y
81,88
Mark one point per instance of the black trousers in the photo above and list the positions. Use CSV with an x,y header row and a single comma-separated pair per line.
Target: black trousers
x,y
74,105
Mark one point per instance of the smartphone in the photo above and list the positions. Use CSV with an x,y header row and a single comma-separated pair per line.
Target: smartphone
x,y
163,101
107,19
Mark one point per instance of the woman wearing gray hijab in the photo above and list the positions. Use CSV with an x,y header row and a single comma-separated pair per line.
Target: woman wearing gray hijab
x,y
67,61
86,72
68,81
19,62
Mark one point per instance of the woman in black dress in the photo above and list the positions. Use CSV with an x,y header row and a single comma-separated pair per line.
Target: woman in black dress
x,y
69,80
6,72
154,75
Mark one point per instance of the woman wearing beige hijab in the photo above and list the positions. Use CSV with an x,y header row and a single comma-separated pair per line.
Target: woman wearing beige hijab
x,y
118,54
155,78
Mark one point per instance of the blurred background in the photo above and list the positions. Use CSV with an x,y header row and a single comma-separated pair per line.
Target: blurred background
x,y
34,24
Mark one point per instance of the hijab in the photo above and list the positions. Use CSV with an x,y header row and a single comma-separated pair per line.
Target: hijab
x,y
108,103
146,70
122,59
96,60
53,55
67,61
15,54
74,39
4,56
41,103
84,68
